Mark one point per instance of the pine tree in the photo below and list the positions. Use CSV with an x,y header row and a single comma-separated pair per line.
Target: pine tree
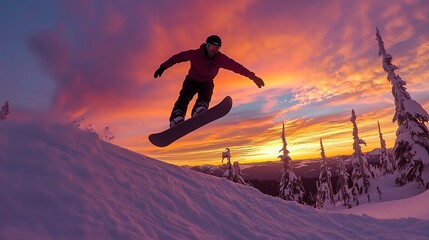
x,y
343,191
232,173
411,150
291,187
324,185
4,111
386,159
360,173
238,177
228,174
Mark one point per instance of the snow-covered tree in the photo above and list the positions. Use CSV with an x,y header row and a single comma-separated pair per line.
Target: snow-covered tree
x,y
238,177
411,150
227,155
354,193
386,159
228,174
291,187
232,173
360,173
343,192
4,111
325,191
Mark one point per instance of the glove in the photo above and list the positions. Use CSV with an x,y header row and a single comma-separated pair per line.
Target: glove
x,y
159,71
258,81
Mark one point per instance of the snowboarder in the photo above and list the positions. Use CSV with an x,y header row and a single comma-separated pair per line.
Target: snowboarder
x,y
205,64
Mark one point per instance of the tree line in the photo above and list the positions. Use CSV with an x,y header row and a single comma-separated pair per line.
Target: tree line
x,y
407,162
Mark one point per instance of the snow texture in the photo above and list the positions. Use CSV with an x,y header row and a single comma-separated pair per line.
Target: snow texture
x,y
59,182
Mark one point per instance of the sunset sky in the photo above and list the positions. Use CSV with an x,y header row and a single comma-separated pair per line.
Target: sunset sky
x,y
94,60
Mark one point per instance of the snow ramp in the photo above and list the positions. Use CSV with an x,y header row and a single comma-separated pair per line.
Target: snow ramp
x,y
59,182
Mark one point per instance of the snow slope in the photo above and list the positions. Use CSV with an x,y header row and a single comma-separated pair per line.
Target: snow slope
x,y
58,182
416,206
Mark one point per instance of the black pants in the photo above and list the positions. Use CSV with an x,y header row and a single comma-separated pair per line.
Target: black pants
x,y
189,89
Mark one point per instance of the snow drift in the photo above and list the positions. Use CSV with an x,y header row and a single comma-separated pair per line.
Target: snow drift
x,y
59,182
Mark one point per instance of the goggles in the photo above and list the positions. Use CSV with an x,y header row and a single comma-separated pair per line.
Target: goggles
x,y
212,48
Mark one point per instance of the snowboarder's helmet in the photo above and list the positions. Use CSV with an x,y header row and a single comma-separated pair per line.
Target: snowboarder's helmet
x,y
214,40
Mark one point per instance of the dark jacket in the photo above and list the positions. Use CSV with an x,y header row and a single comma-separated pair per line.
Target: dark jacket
x,y
205,69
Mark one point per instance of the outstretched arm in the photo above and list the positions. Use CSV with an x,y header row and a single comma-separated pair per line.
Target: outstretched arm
x,y
177,58
236,67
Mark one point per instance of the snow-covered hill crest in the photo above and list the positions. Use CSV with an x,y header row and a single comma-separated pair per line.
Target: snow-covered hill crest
x,y
58,182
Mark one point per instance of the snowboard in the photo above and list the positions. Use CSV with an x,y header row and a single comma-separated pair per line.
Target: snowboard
x,y
165,138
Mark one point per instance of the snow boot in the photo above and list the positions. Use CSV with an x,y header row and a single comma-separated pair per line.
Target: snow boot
x,y
177,118
199,108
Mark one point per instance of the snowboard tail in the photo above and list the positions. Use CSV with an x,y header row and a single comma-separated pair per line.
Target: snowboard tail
x,y
165,138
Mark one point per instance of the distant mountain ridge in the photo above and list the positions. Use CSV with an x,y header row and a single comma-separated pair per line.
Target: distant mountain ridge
x,y
272,170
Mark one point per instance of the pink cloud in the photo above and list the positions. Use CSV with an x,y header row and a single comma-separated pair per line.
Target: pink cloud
x,y
92,61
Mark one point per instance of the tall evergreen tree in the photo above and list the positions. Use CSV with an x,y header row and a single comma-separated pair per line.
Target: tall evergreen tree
x,y
291,187
343,191
411,150
386,159
360,173
325,192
